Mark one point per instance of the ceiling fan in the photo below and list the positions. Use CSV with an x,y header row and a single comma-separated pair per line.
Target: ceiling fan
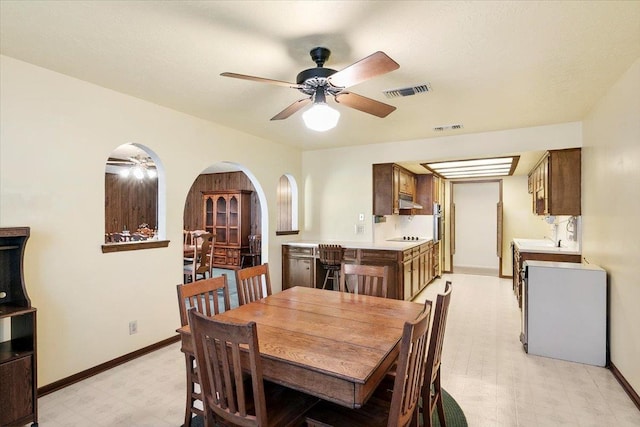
x,y
319,82
138,165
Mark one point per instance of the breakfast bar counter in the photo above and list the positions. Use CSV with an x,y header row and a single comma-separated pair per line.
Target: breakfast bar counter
x,y
413,264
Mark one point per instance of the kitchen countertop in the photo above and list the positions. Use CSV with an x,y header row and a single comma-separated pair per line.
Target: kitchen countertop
x,y
544,246
381,246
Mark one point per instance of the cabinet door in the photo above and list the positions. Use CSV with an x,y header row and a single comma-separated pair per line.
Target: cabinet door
x,y
233,229
208,214
15,390
221,220
408,276
300,272
416,282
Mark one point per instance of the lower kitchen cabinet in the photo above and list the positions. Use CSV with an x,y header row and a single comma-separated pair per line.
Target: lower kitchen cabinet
x,y
298,266
410,271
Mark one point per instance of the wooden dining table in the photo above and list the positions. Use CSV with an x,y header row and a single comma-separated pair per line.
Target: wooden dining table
x,y
333,345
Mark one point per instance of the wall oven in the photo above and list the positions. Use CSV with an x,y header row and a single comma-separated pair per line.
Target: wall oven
x,y
437,222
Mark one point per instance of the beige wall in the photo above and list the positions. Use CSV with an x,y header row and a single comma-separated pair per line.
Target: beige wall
x,y
611,209
518,218
56,134
338,182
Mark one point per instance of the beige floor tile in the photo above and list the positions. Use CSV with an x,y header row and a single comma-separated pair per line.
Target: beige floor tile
x,y
484,368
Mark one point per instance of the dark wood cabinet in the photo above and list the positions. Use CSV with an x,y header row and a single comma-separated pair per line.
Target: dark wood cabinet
x,y
389,182
410,270
298,266
227,215
555,183
428,190
18,375
435,260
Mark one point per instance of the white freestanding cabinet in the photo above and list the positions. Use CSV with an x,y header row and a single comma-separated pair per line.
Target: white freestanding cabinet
x,y
564,312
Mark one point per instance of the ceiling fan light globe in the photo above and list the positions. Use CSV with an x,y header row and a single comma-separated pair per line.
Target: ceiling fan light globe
x,y
138,173
320,117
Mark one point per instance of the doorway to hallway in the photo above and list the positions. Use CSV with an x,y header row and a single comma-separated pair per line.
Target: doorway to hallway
x,y
476,226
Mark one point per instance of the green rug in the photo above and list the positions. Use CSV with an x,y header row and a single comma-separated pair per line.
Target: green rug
x,y
453,412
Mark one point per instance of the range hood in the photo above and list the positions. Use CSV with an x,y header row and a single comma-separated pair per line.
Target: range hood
x,y
406,202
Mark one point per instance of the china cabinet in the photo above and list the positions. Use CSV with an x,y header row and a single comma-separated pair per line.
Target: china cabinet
x,y
18,376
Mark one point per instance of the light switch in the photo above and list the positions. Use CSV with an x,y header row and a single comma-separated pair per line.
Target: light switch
x,y
361,217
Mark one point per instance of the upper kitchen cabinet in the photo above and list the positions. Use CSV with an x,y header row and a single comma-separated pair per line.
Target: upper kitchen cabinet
x,y
428,190
554,183
390,181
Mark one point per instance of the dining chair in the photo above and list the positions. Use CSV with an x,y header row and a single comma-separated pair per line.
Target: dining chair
x,y
186,237
202,296
254,252
236,399
400,409
431,390
253,283
202,263
364,279
197,237
331,259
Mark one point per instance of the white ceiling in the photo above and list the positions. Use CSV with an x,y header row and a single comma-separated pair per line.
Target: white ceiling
x,y
491,65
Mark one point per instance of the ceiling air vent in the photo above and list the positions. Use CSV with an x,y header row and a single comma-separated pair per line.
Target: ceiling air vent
x,y
407,91
447,127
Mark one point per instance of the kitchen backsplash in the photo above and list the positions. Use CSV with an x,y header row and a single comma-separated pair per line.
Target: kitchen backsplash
x,y
403,225
568,229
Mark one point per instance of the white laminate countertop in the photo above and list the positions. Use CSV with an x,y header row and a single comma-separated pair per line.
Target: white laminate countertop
x,y
544,246
380,246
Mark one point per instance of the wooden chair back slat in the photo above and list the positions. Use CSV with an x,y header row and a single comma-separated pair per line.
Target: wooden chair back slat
x,y
203,296
366,279
253,283
407,386
431,390
330,254
218,348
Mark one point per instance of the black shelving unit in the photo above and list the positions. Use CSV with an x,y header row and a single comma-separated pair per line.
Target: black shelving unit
x,y
18,374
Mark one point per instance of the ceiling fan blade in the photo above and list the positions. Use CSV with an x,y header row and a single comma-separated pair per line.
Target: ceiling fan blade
x,y
114,161
364,104
261,80
293,108
373,65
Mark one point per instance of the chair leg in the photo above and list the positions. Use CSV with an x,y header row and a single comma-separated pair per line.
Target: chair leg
x,y
438,397
190,391
326,277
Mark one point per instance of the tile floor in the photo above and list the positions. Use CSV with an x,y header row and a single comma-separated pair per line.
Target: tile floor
x,y
484,368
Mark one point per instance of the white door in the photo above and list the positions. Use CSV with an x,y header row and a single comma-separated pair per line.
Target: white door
x,y
476,227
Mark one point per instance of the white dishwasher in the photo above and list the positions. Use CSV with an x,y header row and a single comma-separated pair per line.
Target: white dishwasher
x,y
564,311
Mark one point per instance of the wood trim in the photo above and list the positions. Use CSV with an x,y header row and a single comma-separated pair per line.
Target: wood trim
x,y
134,246
60,384
635,398
284,233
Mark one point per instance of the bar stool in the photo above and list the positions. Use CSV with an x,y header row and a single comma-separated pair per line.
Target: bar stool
x,y
331,259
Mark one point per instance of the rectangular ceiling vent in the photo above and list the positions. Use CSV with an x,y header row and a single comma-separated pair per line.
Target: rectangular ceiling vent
x,y
407,91
448,127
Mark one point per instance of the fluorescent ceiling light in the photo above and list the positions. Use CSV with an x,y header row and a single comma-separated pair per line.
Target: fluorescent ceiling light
x,y
475,168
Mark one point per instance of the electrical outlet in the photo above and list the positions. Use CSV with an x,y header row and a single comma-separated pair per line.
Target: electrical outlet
x,y
359,229
133,327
